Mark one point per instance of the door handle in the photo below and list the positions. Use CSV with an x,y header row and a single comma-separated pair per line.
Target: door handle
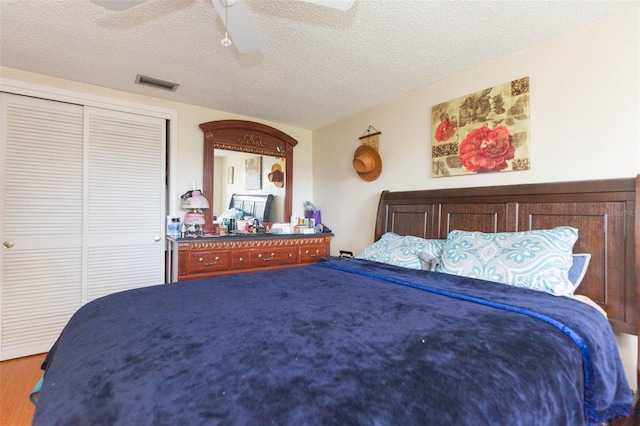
x,y
7,244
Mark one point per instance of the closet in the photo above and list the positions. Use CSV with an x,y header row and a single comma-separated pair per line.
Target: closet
x,y
82,212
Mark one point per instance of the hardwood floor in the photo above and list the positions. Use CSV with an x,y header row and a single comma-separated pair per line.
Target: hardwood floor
x,y
17,379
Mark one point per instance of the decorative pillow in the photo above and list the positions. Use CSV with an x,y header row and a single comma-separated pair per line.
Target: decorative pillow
x,y
389,249
232,213
538,260
578,268
396,250
430,247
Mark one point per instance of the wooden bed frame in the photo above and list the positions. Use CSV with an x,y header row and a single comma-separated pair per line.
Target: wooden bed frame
x,y
606,213
259,206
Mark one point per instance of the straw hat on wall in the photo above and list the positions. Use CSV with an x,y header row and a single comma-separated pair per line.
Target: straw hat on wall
x,y
276,176
367,163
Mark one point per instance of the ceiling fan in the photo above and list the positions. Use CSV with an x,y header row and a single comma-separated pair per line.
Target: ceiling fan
x,y
235,12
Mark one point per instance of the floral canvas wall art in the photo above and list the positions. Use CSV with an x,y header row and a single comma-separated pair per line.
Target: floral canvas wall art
x,y
483,132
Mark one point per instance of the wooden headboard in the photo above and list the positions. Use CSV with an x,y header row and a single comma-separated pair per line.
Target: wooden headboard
x,y
606,213
258,206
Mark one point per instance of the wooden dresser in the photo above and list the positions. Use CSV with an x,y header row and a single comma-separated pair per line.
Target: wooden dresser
x,y
202,257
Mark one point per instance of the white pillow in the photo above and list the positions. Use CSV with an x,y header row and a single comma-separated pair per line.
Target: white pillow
x,y
590,302
538,260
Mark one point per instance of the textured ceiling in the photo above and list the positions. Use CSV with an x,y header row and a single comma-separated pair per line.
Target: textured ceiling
x,y
317,64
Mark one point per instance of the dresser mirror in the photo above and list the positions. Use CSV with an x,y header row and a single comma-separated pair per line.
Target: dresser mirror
x,y
251,138
232,178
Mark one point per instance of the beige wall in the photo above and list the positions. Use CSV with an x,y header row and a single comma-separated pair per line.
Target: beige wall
x,y
585,113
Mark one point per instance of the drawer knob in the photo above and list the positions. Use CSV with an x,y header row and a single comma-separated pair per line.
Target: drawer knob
x,y
290,255
201,260
241,259
314,254
266,259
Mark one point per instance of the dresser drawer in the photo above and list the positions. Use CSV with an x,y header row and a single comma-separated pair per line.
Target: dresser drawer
x,y
273,256
312,252
203,262
240,259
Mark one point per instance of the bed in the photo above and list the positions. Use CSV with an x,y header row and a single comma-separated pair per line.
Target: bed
x,y
363,341
253,206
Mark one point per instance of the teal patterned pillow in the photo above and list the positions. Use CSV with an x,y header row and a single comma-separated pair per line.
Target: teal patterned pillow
x,y
538,260
431,247
396,250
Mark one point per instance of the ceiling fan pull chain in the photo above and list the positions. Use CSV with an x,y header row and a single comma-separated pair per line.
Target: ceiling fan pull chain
x,y
226,41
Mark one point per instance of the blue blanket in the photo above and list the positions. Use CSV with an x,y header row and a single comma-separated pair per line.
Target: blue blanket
x,y
345,341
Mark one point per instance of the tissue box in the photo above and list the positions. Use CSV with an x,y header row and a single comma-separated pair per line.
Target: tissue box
x,y
282,228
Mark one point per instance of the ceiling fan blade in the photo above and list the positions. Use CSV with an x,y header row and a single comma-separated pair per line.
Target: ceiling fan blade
x,y
335,4
118,5
237,19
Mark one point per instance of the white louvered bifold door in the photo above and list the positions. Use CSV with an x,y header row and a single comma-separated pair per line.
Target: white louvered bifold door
x,y
82,213
125,193
41,167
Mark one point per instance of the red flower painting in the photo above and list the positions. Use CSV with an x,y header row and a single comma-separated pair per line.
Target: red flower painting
x,y
482,132
487,150
445,130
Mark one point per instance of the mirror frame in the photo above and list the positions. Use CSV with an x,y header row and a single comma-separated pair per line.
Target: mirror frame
x,y
250,137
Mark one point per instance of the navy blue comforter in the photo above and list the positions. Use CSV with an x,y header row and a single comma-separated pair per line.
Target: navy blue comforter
x,y
339,342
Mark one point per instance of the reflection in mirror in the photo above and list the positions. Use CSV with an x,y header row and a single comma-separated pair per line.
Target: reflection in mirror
x,y
246,137
231,177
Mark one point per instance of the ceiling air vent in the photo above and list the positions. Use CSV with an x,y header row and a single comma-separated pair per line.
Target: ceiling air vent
x,y
155,82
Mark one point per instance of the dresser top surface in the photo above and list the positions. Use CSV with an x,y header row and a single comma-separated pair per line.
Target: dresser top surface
x,y
240,237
